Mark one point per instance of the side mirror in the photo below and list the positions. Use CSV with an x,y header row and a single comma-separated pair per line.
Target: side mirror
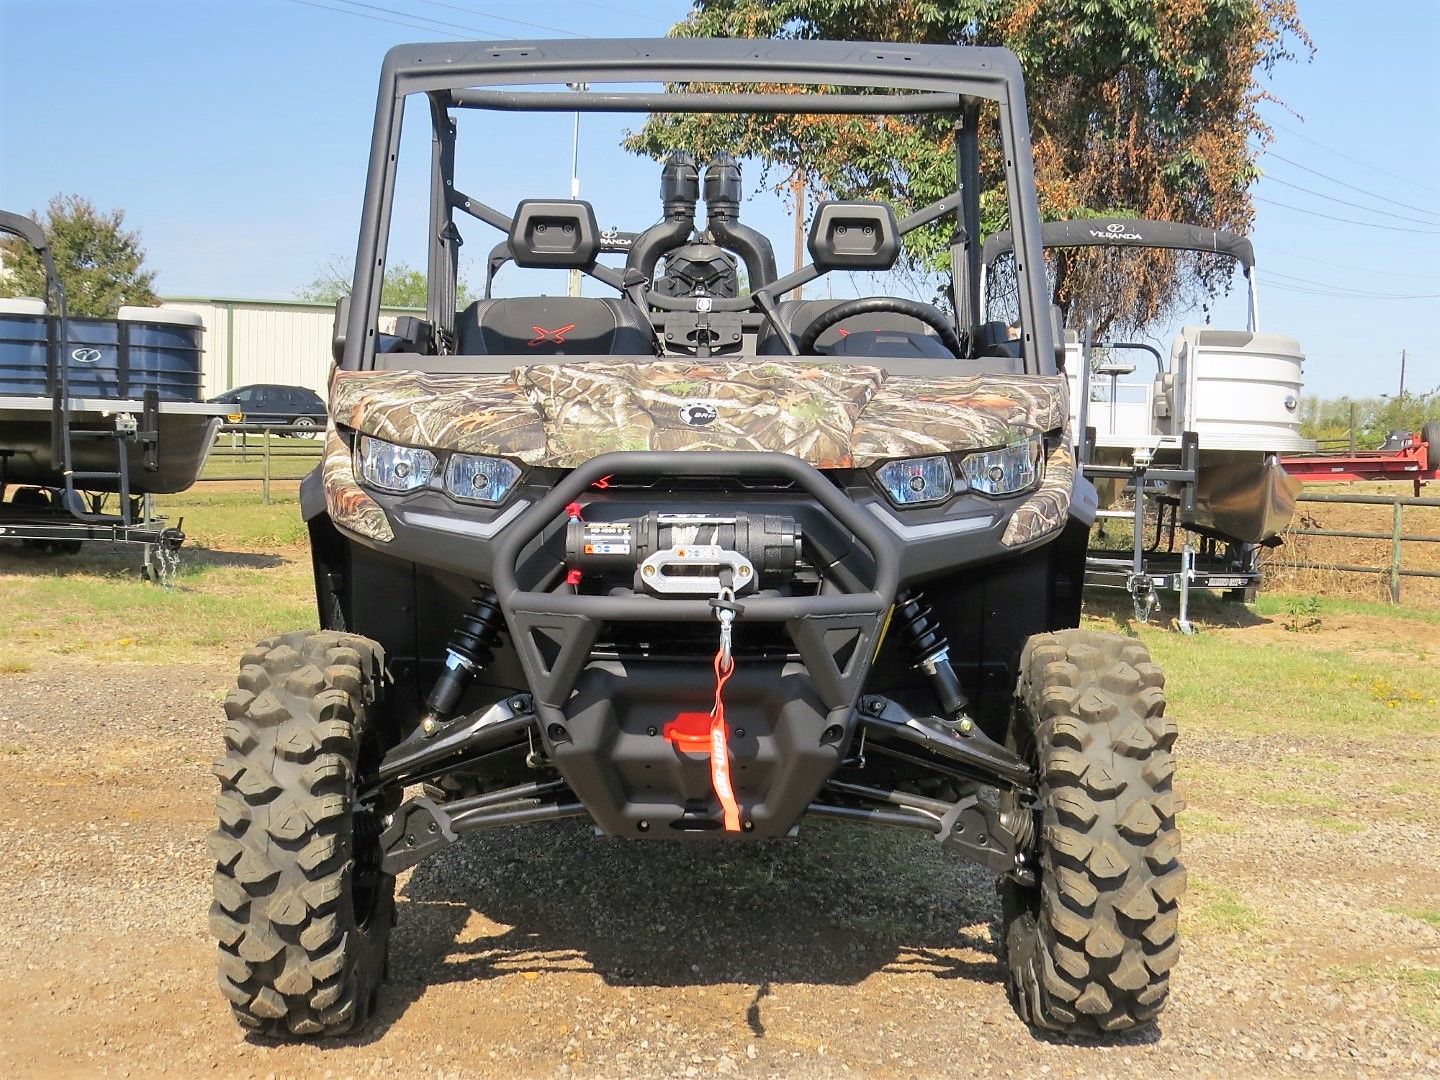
x,y
854,236
337,331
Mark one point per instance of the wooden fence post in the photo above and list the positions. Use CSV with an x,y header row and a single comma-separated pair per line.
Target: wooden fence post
x,y
1395,554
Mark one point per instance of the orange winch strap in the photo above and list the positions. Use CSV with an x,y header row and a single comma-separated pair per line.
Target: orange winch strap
x,y
720,750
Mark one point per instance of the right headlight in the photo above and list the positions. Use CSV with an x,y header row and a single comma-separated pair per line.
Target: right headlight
x,y
391,467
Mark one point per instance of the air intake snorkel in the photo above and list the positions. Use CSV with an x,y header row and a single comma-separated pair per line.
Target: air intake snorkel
x,y
722,209
679,191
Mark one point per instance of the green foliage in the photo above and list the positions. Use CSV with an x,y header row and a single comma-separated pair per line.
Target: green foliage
x,y
1303,614
1328,420
1137,107
404,286
100,263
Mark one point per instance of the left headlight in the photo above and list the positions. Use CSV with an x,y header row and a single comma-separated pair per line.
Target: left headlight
x,y
393,468
1007,471
478,478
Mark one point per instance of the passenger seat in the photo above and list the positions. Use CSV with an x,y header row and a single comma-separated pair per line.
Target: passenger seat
x,y
553,326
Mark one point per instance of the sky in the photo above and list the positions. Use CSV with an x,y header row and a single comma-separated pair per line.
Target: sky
x,y
234,133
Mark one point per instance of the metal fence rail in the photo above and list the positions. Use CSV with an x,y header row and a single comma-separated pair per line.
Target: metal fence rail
x,y
1397,537
270,455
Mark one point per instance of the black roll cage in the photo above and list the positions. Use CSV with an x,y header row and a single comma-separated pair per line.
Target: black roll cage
x,y
935,78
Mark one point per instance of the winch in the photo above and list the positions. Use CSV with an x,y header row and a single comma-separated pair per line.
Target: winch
x,y
685,554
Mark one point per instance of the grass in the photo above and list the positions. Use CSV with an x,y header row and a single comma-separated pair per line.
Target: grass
x,y
1212,909
1205,823
1417,986
1425,915
1290,687
244,573
237,520
1278,605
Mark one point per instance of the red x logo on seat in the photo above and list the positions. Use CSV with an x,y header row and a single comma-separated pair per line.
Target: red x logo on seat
x,y
556,337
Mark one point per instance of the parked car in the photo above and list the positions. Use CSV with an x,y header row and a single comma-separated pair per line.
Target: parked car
x,y
269,403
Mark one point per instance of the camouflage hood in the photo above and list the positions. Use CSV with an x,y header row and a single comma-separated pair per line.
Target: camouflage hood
x,y
831,415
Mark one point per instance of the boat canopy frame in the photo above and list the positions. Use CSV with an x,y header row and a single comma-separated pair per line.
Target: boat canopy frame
x,y
1136,233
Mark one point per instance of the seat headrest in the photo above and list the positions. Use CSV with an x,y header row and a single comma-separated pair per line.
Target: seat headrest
x,y
554,233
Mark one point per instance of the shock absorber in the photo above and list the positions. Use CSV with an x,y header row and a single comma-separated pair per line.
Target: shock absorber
x,y
472,646
931,649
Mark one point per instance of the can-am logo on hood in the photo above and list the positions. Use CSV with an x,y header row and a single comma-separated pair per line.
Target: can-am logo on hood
x,y
1115,231
85,356
698,413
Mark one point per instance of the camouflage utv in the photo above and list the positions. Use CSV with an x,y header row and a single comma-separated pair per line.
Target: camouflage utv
x,y
687,561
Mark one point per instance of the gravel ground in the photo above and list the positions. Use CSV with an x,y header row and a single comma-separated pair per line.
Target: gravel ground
x,y
545,951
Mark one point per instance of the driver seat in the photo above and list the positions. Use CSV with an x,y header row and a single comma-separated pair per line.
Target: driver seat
x,y
881,333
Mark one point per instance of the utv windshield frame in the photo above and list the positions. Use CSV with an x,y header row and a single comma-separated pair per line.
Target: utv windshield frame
x,y
933,78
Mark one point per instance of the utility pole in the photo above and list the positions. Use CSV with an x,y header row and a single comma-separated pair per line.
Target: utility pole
x,y
1402,374
797,188
575,174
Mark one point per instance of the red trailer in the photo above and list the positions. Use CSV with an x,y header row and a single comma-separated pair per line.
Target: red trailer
x,y
1417,461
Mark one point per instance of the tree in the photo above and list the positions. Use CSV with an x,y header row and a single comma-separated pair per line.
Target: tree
x,y
403,285
1138,108
1329,419
100,263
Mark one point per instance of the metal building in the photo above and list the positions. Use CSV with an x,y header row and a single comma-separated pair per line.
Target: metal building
x,y
266,341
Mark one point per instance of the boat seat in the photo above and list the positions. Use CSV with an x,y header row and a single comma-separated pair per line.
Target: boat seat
x,y
168,316
554,326
22,305
1162,395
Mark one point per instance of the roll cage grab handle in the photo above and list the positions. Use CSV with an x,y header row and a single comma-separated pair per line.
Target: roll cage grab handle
x,y
860,77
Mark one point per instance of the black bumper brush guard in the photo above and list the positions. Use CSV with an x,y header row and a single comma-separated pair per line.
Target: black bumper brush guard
x,y
600,720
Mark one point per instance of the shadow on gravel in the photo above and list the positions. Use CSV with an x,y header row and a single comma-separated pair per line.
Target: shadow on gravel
x,y
832,907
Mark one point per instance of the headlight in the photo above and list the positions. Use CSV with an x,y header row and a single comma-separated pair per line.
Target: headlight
x,y
1007,471
393,468
478,478
917,481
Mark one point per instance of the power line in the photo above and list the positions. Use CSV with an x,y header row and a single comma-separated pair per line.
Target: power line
x,y
1345,266
499,18
377,18
1345,202
1356,161
1347,291
422,18
610,9
1352,187
1332,295
1348,221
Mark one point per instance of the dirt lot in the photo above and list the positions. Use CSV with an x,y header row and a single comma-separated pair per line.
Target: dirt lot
x,y
1312,927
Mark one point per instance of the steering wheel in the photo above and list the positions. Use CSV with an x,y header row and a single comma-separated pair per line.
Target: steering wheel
x,y
928,314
